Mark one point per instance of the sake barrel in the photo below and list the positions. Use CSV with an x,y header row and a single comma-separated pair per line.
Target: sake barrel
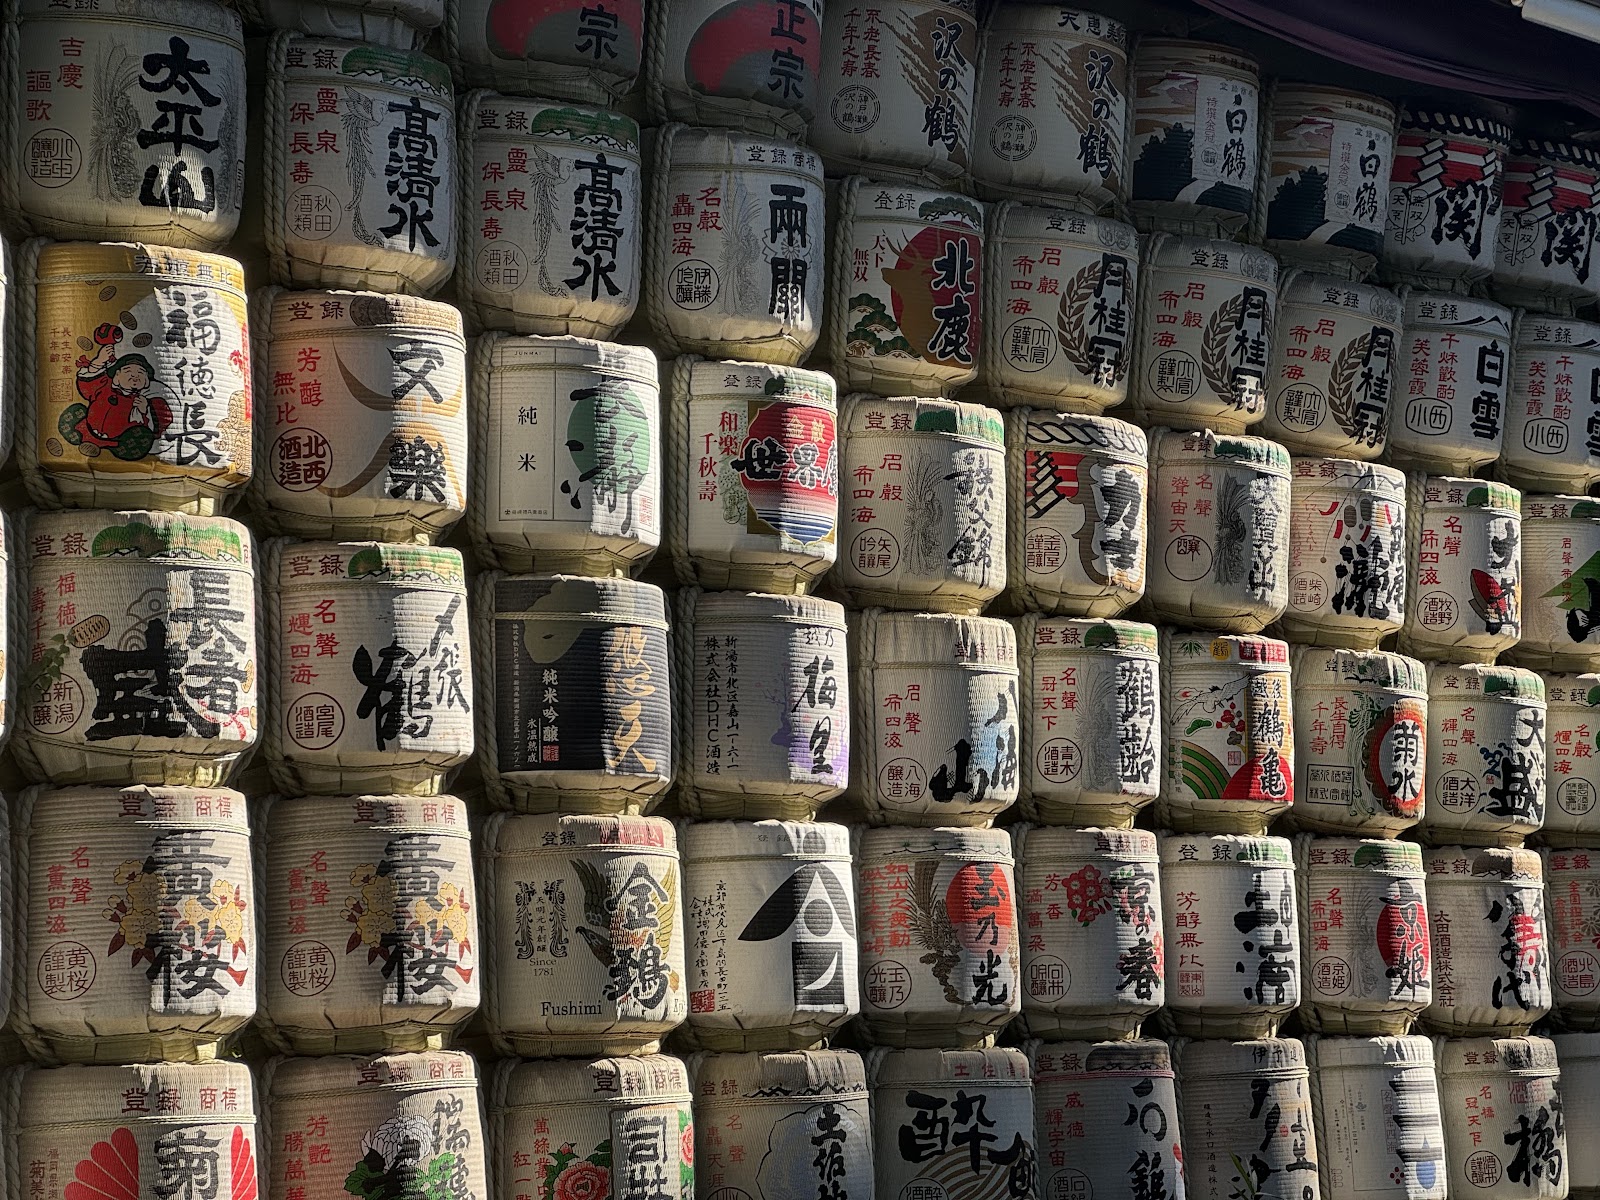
x,y
1360,740
934,1113
749,67
374,1123
1067,140
371,928
1452,360
1364,929
1228,724
1334,367
589,1127
782,1125
1579,1056
1219,530
1572,787
1331,156
337,117
1091,716
1572,885
1561,610
575,693
953,679
1486,755
125,123
1082,1094
1230,934
1444,196
1062,293
1196,136
1546,242
364,434
612,882
154,678
1092,963
138,365
896,92
1247,1118
1347,552
939,956
1552,438
735,257
140,922
1504,1132
1489,905
796,707
391,24
551,233
924,525
906,300
570,49
1463,568
1379,1128
165,1129
753,501
1078,480
1205,334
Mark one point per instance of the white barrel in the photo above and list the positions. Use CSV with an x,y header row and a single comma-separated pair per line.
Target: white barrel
x,y
934,1113
1579,1056
1488,904
552,234
1452,370
734,256
923,525
141,938
135,377
1572,760
142,663
1360,740
123,1132
1090,903
1364,930
1090,720
374,1123
574,692
1219,530
773,668
1230,934
1379,1128
783,1125
397,715
1347,552
1062,293
1248,1128
390,24
1486,755
1552,439
1544,252
1335,367
1504,1124
1561,606
1206,323
753,490
771,934
1463,568
1076,530
571,49
940,963
1196,136
1572,887
371,923
612,883
1228,722
906,296
362,421
1331,156
934,735
1083,1095
1053,107
361,176
1444,196
896,94
124,123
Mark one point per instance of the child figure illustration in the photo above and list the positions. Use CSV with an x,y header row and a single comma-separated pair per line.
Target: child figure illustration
x,y
121,413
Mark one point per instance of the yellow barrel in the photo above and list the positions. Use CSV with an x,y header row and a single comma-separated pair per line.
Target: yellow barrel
x,y
1447,410
1380,1134
1552,443
1572,790
1572,886
1519,1081
1561,607
1463,568
1549,197
1486,755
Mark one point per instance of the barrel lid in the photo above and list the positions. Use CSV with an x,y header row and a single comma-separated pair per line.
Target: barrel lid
x,y
332,58
1379,856
508,352
294,1078
1077,633
1199,1059
1313,665
99,260
1454,312
987,845
1511,684
1173,252
576,598
942,638
1470,1055
996,1067
188,16
295,312
1308,474
1017,222
526,834
140,806
722,1080
1223,449
695,148
1073,1060
1239,649
319,565
1518,865
1324,1052
1553,150
555,120
1049,21
759,606
638,1079
1056,845
922,415
96,1095
1093,435
923,206
172,539
1560,508
1336,102
1331,291
1535,331
317,818
711,840
1224,848
1580,691
1158,53
1466,116
794,385
1487,494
